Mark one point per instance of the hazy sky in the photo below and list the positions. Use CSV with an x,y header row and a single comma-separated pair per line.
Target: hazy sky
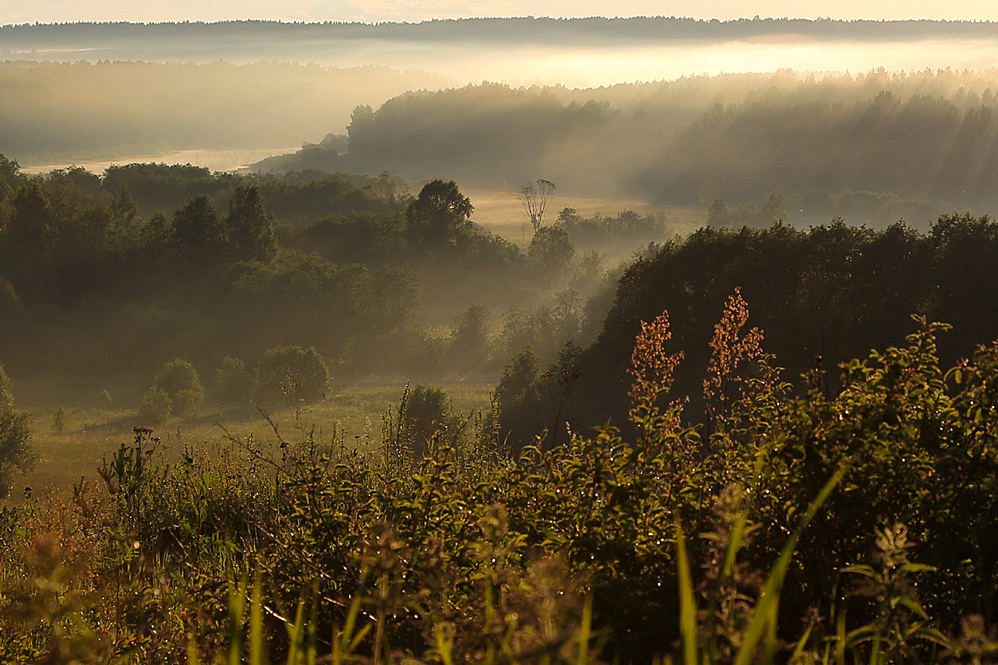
x,y
46,11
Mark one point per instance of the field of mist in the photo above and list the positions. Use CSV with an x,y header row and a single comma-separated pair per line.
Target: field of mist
x,y
646,130
78,93
499,341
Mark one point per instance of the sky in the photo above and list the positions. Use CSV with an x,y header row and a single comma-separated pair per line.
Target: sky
x,y
55,11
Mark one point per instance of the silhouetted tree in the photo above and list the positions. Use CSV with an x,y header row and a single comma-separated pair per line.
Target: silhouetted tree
x,y
535,199
31,219
440,215
251,229
198,230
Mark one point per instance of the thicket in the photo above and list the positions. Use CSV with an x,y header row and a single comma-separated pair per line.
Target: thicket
x,y
823,295
817,207
290,375
705,537
179,381
96,286
603,231
920,136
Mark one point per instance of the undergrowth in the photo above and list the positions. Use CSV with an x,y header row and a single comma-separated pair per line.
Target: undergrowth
x,y
784,525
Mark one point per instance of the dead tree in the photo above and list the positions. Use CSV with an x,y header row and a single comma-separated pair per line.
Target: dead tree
x,y
535,198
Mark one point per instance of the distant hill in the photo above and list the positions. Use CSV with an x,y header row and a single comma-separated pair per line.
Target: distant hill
x,y
272,39
922,136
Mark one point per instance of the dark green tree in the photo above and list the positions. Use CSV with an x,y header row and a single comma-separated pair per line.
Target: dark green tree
x,y
469,348
124,209
180,382
773,209
155,406
361,127
551,250
6,390
199,232
290,374
718,213
10,173
233,383
16,453
251,229
440,215
519,401
427,412
31,218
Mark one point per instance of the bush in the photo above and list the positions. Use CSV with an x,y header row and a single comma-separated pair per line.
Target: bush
x,y
59,420
180,381
427,412
156,406
15,451
6,391
288,374
187,402
233,384
104,401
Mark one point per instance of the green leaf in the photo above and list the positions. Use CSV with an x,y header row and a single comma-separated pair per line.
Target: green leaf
x,y
687,602
912,605
771,592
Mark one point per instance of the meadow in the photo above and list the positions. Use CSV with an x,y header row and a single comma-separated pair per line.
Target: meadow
x,y
352,413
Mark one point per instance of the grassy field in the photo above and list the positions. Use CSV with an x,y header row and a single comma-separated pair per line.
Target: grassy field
x,y
351,415
502,213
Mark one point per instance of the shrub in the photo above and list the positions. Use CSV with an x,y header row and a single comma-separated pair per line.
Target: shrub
x,y
187,402
6,391
105,401
287,374
155,407
15,451
59,420
233,384
180,381
427,411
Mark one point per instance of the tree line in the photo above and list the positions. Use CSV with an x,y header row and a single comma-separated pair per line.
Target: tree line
x,y
922,136
821,296
90,281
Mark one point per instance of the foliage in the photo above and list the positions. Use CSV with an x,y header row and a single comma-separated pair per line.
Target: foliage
x,y
823,296
599,231
464,554
233,382
105,401
550,250
469,347
6,390
199,231
440,216
250,228
16,453
59,420
428,413
180,382
290,375
155,407
925,134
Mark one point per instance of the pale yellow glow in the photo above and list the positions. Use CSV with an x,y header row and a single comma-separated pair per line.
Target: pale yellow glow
x,y
19,11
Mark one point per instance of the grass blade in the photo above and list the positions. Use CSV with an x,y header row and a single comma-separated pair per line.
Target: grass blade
x,y
256,623
585,631
763,613
687,602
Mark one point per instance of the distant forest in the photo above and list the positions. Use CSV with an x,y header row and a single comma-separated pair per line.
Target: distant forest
x,y
525,29
921,136
126,108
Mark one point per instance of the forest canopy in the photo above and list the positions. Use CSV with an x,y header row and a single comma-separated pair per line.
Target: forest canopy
x,y
927,136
